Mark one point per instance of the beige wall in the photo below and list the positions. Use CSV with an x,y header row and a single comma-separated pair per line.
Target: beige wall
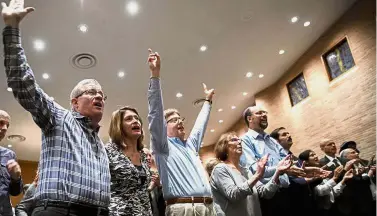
x,y
343,109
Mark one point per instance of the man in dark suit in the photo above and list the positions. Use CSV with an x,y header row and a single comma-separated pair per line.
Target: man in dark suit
x,y
330,161
353,145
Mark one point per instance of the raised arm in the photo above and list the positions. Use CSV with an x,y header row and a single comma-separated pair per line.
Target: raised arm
x,y
157,123
197,132
19,75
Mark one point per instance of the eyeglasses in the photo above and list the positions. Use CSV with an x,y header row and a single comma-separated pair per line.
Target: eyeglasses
x,y
93,93
238,140
260,113
176,119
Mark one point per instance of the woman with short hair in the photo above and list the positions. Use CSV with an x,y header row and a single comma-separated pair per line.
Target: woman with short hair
x,y
235,189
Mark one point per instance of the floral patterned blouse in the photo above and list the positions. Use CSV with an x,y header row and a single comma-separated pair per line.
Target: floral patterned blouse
x,y
129,194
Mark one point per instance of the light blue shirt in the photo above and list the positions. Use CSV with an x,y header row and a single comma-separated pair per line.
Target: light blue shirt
x,y
181,171
254,147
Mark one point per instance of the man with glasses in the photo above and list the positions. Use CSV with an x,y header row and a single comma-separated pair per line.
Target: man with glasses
x,y
256,143
74,175
185,185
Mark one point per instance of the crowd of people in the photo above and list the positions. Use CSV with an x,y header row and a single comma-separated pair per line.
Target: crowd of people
x,y
255,174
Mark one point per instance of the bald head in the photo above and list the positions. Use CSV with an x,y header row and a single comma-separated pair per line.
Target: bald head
x,y
256,118
4,123
328,147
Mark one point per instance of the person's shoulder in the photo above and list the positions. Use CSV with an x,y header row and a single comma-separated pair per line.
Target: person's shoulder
x,y
7,152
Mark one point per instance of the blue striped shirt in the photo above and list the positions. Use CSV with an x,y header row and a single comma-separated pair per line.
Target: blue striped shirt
x,y
73,164
254,147
181,171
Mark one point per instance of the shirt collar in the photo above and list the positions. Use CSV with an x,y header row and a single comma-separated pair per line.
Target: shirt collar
x,y
255,134
330,158
85,119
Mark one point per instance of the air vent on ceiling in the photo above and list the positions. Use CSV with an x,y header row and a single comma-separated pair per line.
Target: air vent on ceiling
x,y
16,138
198,102
83,61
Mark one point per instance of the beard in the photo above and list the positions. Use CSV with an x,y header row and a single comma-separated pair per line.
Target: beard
x,y
263,125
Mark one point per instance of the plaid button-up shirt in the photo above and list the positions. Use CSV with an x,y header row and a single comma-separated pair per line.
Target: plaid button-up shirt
x,y
73,164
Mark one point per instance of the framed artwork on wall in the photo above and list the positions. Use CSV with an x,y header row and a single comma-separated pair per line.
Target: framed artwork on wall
x,y
338,59
297,89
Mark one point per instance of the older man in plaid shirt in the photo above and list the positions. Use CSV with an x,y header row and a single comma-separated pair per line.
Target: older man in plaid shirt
x,y
73,168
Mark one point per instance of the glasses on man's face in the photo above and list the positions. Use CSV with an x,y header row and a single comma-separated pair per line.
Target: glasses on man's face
x,y
176,119
260,113
93,93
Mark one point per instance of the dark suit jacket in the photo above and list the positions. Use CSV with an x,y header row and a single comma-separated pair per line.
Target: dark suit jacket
x,y
325,161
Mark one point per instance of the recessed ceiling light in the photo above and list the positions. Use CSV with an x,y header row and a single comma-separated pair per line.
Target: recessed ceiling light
x,y
45,76
212,130
307,23
220,110
249,74
203,48
294,19
261,75
121,74
281,52
9,89
179,95
244,93
132,7
39,45
233,107
9,146
83,28
221,121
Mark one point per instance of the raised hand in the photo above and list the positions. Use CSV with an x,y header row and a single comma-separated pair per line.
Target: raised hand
x,y
209,93
349,164
348,175
372,171
261,164
154,62
14,169
337,172
14,12
285,164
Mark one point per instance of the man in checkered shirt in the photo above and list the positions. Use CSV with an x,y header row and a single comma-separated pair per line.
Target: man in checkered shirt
x,y
74,177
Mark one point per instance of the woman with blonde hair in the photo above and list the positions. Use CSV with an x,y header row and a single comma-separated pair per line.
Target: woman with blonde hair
x,y
235,189
130,173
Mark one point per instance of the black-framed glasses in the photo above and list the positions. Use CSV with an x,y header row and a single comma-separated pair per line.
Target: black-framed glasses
x,y
176,119
93,93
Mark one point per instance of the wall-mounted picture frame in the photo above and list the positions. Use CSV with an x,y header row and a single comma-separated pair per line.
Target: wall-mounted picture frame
x,y
297,89
339,59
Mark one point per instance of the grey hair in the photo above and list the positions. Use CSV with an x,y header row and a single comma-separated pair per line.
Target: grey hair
x,y
84,85
343,154
4,114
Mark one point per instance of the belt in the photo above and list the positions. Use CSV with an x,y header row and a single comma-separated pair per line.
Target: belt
x,y
88,209
206,200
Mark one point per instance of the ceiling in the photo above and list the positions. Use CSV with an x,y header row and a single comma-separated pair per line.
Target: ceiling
x,y
241,36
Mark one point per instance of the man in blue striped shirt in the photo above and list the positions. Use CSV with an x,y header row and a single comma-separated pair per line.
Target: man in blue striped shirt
x,y
10,171
184,182
74,175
